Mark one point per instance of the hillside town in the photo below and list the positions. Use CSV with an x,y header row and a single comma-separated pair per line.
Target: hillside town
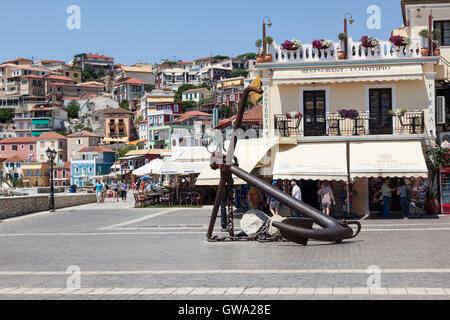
x,y
379,105
256,165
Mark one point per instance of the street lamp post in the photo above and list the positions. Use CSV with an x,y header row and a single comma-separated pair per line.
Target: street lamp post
x,y
348,14
269,24
51,155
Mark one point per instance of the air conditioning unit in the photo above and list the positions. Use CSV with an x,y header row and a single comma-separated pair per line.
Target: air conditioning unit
x,y
440,110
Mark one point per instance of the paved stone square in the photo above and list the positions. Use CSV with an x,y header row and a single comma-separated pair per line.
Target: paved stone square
x,y
162,253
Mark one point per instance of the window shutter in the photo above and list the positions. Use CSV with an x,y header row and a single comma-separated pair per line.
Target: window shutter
x,y
440,110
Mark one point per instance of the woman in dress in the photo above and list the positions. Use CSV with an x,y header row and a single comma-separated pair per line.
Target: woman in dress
x,y
327,198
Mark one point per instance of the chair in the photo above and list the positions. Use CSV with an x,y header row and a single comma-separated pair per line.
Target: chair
x,y
168,198
183,197
139,199
359,126
334,127
195,197
404,125
295,127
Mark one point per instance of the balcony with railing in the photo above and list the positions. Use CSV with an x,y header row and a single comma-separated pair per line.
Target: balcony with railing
x,y
306,53
332,124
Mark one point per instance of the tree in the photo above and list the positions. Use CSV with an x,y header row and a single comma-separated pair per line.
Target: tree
x,y
124,104
72,110
149,87
189,105
181,89
226,111
247,56
239,73
6,115
124,150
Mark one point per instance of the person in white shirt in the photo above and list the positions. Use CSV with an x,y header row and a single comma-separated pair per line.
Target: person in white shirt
x,y
296,194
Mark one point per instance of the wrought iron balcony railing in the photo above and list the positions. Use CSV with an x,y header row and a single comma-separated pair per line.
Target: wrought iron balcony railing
x,y
412,122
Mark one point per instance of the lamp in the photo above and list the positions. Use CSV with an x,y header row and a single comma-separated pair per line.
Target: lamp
x,y
51,154
264,32
348,14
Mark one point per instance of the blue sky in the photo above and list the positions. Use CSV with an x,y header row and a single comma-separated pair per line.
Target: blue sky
x,y
149,30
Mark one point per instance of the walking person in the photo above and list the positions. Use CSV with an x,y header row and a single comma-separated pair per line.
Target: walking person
x,y
404,193
115,187
124,189
274,204
297,195
386,191
327,197
99,191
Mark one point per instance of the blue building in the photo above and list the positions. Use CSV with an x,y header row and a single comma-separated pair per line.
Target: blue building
x,y
91,162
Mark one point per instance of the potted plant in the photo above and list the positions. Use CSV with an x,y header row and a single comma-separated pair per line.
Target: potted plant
x,y
291,45
268,56
259,58
436,48
322,44
341,53
399,41
438,158
369,42
397,113
424,34
351,114
293,115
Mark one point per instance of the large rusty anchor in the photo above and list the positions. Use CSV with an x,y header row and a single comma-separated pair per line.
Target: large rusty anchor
x,y
297,230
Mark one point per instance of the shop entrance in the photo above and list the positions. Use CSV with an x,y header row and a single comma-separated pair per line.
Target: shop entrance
x,y
309,193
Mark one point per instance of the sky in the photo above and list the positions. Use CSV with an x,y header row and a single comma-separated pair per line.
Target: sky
x,y
150,30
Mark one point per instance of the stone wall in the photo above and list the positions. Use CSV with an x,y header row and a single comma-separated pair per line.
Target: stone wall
x,y
19,206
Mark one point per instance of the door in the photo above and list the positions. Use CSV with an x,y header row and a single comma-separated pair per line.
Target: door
x,y
380,104
314,113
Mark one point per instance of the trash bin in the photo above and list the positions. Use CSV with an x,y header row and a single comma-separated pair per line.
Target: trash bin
x,y
73,189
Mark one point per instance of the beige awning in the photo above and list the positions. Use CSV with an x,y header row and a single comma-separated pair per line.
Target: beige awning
x,y
387,159
249,152
337,74
312,161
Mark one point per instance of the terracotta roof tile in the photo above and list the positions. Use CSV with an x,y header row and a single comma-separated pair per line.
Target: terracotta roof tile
x,y
19,140
51,136
82,134
96,149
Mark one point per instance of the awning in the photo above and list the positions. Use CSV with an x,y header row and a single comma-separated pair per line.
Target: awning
x,y
387,159
337,74
149,168
249,153
181,168
312,161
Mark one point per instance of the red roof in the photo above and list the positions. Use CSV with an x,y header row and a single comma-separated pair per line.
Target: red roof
x,y
194,90
254,115
96,149
82,134
61,78
32,76
74,99
95,55
19,140
187,62
196,113
51,61
16,158
51,136
17,60
118,110
130,80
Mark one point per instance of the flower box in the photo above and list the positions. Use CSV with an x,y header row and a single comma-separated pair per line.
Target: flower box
x,y
291,45
400,41
322,44
349,114
369,42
